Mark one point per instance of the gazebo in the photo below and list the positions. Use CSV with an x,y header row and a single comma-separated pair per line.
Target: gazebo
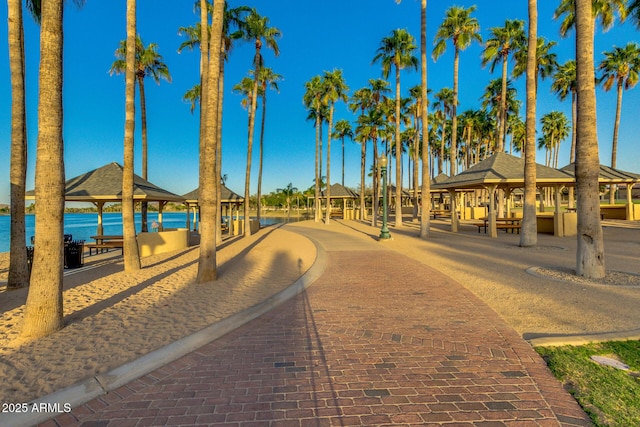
x,y
339,191
104,185
503,171
610,176
230,200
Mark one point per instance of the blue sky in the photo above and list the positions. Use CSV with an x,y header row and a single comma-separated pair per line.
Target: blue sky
x,y
340,34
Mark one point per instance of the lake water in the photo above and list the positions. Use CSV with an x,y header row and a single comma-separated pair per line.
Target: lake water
x,y
83,225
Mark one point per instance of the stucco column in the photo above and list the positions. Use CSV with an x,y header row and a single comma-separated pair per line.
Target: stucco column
x,y
558,223
454,211
630,213
493,230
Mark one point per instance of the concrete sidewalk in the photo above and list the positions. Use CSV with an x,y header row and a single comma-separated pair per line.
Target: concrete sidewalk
x,y
379,339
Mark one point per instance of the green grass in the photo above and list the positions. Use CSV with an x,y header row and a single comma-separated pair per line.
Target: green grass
x,y
610,396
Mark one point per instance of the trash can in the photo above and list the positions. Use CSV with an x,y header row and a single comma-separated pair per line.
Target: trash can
x,y
29,258
73,254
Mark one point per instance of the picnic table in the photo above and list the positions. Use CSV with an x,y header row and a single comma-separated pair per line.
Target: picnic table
x,y
506,224
105,242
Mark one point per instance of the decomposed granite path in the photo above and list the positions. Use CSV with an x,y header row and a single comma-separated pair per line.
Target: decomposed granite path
x,y
379,339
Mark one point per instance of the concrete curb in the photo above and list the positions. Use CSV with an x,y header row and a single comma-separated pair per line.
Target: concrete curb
x,y
54,404
582,339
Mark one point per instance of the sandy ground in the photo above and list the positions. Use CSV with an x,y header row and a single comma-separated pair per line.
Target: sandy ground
x,y
113,317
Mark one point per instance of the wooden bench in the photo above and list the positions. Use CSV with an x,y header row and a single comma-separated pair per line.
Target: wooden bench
x,y
506,227
440,212
501,225
335,214
102,246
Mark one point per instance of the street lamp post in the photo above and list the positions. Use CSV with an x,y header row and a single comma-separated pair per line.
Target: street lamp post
x,y
384,232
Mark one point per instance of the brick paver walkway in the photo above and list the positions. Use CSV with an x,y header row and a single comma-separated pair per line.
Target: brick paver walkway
x,y
379,339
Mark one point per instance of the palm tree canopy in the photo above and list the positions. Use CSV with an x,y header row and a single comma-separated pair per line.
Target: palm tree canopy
x,y
148,61
256,28
604,10
503,42
547,60
268,79
620,66
459,27
396,50
564,80
343,129
335,88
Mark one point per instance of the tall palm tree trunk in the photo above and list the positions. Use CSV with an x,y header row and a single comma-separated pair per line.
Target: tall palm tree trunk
x,y
328,190
398,154
590,250
454,115
572,153
18,270
614,146
376,180
363,159
442,142
261,152
130,245
502,119
426,184
318,210
43,310
219,145
208,196
247,176
145,169
529,230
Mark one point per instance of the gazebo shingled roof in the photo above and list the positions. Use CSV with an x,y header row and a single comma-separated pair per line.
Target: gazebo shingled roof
x,y
608,175
338,191
104,184
503,170
226,196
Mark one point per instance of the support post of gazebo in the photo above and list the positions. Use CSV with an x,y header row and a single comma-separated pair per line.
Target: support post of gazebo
x,y
630,213
100,206
161,205
454,210
558,223
493,230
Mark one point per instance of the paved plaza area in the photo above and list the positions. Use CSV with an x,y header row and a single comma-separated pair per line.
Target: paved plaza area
x,y
378,339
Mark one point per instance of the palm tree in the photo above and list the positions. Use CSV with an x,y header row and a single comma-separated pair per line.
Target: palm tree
x,y
555,129
130,247
312,99
288,192
529,227
18,269
546,59
343,130
208,201
564,84
590,250
368,129
256,30
492,99
268,80
462,30
503,42
443,101
43,308
424,215
361,100
335,89
619,67
149,63
397,50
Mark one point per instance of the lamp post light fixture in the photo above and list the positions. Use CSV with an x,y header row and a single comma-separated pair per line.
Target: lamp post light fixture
x,y
384,232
